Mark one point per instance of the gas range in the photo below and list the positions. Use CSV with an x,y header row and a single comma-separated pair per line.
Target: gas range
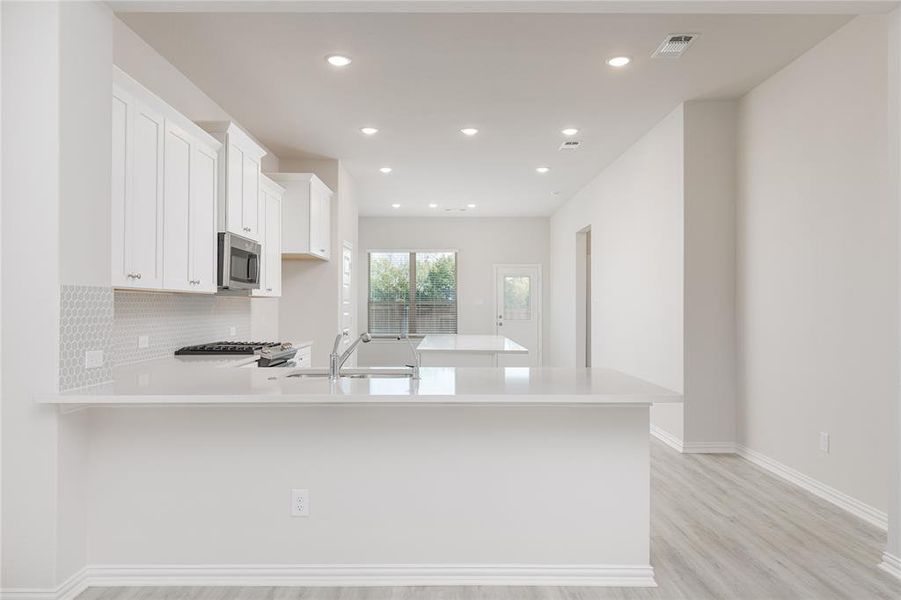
x,y
215,348
272,354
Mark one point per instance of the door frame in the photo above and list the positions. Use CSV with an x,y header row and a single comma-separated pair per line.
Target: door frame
x,y
539,296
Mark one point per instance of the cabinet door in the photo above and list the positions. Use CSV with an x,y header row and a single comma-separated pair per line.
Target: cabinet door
x,y
315,221
121,184
234,192
177,202
325,223
144,205
204,168
273,245
251,199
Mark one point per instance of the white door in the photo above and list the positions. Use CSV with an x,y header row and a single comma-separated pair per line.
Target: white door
x,y
518,312
273,247
325,225
144,205
347,292
251,199
315,221
121,184
234,190
204,165
177,197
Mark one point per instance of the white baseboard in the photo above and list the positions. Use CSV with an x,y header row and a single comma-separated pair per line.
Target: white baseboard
x,y
67,590
667,438
854,506
891,564
345,575
708,448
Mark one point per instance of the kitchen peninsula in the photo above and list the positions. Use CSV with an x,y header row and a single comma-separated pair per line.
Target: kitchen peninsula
x,y
436,480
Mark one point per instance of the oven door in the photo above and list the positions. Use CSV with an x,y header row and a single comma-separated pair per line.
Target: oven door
x,y
239,263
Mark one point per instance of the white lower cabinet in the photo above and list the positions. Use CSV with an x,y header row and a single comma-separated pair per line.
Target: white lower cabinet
x,y
270,220
164,186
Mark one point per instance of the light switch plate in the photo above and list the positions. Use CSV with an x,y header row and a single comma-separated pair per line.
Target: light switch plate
x,y
93,359
143,341
824,441
232,331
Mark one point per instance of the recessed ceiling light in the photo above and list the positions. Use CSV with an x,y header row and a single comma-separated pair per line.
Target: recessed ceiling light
x,y
470,206
542,170
619,61
433,205
338,60
395,205
570,131
470,131
385,170
369,130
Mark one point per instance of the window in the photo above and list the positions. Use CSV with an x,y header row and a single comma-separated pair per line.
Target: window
x,y
412,292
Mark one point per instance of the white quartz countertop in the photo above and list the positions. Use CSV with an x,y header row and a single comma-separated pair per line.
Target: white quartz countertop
x,y
470,343
178,382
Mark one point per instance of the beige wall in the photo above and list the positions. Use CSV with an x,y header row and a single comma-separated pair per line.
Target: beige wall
x,y
709,294
894,53
817,264
635,210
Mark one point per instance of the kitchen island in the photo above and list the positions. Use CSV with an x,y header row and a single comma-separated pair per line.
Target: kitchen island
x,y
440,480
467,350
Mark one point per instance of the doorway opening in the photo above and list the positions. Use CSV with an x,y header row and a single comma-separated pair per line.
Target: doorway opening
x,y
583,297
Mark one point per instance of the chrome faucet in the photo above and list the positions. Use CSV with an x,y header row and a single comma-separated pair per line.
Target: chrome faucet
x,y
417,359
336,361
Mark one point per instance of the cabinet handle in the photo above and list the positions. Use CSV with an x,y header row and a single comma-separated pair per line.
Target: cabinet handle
x,y
138,275
268,289
247,229
131,275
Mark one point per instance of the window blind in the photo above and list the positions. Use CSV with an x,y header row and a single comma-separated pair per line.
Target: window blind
x,y
412,293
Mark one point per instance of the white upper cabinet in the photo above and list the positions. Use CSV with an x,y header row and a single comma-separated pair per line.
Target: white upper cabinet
x,y
306,216
137,192
239,180
164,193
271,227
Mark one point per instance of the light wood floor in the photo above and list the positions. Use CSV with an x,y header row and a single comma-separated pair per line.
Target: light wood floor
x,y
721,528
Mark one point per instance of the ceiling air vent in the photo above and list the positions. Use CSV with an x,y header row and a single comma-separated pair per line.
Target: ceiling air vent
x,y
674,45
570,145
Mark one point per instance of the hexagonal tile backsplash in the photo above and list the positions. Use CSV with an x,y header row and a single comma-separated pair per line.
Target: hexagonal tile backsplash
x,y
85,323
98,318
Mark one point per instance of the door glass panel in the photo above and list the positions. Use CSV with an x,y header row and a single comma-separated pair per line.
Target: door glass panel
x,y
517,297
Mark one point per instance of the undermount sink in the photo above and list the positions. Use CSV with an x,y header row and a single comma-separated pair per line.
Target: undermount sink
x,y
360,373
376,375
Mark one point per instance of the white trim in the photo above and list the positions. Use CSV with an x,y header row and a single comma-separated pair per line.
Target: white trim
x,y
667,438
708,448
67,590
868,513
891,564
345,575
539,297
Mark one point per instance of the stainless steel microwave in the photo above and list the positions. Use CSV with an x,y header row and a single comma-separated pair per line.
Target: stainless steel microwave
x,y
239,263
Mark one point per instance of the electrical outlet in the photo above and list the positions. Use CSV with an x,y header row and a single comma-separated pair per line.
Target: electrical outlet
x,y
824,441
143,341
300,503
233,331
93,359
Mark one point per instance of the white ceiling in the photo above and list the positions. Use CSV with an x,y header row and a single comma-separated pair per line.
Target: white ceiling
x,y
419,78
